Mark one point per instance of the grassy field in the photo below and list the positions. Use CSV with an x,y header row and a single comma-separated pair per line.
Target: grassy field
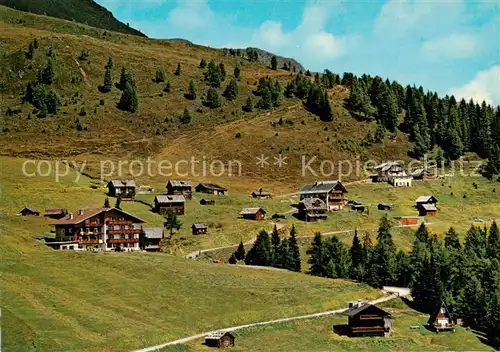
x,y
318,335
57,300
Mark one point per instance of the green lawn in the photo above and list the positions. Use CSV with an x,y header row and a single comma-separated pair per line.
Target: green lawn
x,y
317,335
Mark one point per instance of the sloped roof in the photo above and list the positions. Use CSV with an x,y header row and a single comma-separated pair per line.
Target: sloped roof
x,y
56,211
33,210
165,199
418,172
211,186
387,166
426,199
355,310
88,213
263,193
216,335
251,211
154,232
199,226
322,187
437,310
122,183
180,183
313,204
429,207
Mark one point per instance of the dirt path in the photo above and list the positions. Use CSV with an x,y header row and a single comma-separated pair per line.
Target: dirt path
x,y
396,292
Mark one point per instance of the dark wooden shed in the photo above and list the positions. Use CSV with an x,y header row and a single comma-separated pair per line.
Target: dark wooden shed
x,y
384,206
206,201
29,211
220,339
199,229
367,319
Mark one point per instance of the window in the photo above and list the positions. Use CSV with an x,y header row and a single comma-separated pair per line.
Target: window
x,y
70,230
63,232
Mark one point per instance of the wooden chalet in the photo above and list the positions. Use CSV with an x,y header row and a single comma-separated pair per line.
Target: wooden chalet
x,y
220,339
125,189
58,213
102,229
199,229
384,206
330,192
440,319
169,203
206,201
421,174
180,187
426,205
211,188
29,211
312,209
393,173
253,214
261,194
367,319
153,235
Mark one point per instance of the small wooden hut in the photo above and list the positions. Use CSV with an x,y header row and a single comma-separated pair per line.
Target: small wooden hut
x,y
220,339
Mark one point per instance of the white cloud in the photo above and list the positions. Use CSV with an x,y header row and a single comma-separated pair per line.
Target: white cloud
x,y
191,15
325,45
271,34
454,46
484,86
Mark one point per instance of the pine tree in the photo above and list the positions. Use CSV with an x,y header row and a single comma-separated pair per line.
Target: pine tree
x,y
222,70
186,117
295,264
475,241
422,235
284,257
106,203
39,98
129,100
28,96
212,100
53,102
493,242
31,51
172,223
326,108
231,91
48,74
261,253
108,80
160,75
213,75
428,288
123,79
110,64
451,239
248,107
274,63
275,242
492,168
385,252
265,101
237,71
178,70
191,91
453,143
203,63
359,100
390,112
168,87
356,253
232,259
240,252
318,266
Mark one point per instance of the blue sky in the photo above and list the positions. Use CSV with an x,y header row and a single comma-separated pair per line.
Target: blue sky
x,y
452,47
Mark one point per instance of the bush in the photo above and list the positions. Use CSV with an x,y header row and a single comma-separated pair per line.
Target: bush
x,y
212,100
237,135
186,117
84,56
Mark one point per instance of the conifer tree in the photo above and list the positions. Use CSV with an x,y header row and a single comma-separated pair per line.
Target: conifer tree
x,y
475,241
31,51
294,251
28,96
222,70
106,203
129,100
191,91
212,99
172,223
284,257
108,80
186,117
454,147
275,242
265,101
356,253
232,259
326,108
237,71
385,252
318,266
168,87
390,110
451,239
178,70
53,102
337,257
493,243
203,63
39,99
274,63
160,75
110,63
213,75
47,75
248,107
231,91
492,168
261,253
240,252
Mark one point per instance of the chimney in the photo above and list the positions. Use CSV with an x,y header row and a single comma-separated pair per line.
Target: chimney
x,y
80,211
71,216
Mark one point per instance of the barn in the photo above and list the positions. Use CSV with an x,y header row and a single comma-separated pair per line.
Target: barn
x,y
220,339
253,214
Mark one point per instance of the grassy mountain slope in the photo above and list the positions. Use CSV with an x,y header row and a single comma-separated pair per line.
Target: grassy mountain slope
x,y
57,300
156,130
318,335
82,11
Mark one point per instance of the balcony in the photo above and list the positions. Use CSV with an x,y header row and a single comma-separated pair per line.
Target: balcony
x,y
123,240
80,241
125,232
119,222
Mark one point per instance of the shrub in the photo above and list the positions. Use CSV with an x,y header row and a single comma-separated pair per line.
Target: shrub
x,y
84,56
